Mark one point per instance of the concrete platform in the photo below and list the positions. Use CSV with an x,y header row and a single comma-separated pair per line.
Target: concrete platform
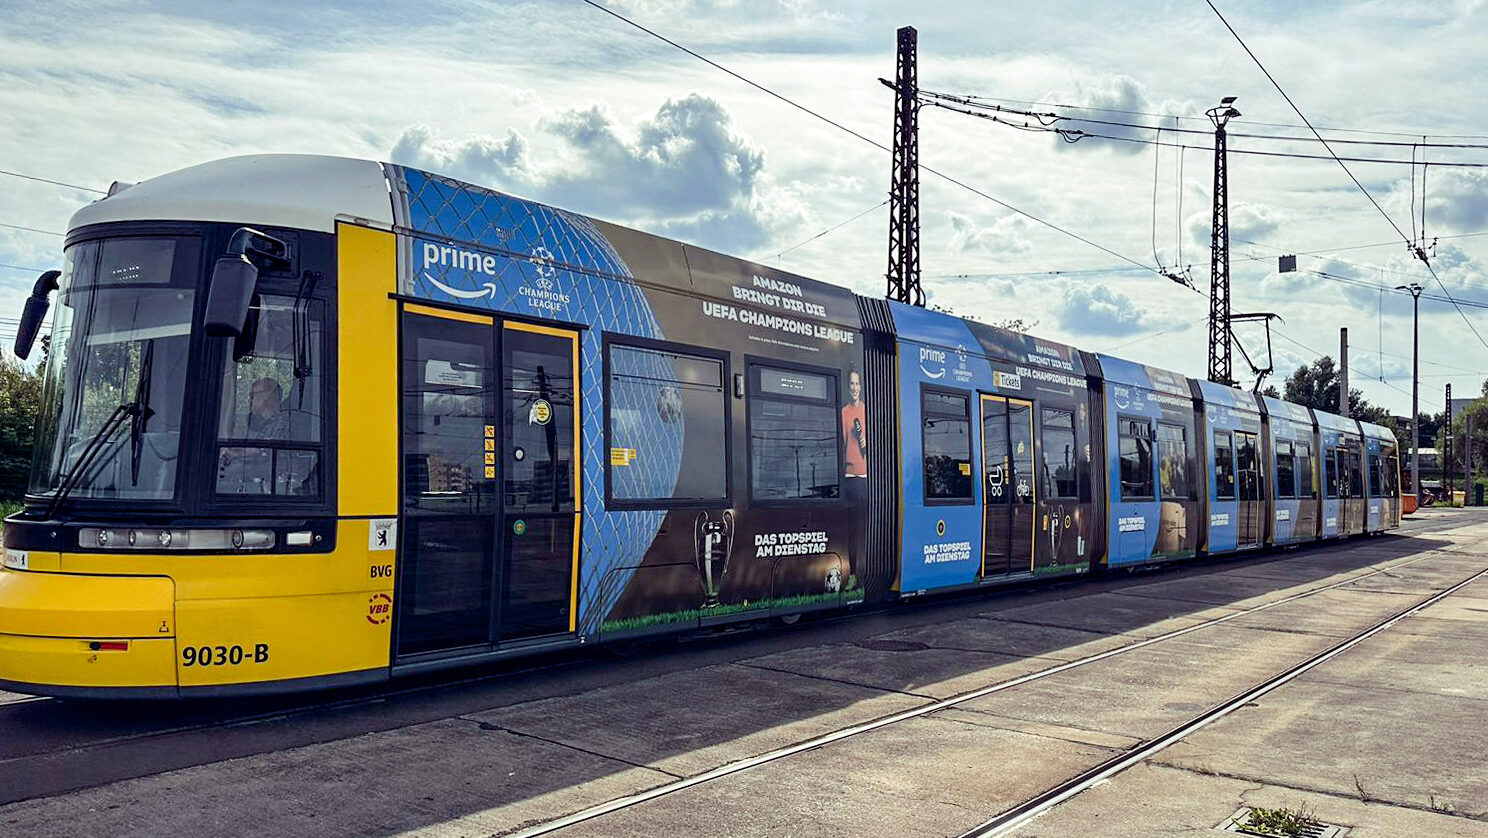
x,y
1384,739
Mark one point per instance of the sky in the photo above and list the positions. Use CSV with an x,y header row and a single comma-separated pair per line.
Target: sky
x,y
558,101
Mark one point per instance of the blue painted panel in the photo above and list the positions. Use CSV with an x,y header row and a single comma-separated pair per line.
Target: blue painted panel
x,y
941,544
1225,409
481,248
1297,429
1144,530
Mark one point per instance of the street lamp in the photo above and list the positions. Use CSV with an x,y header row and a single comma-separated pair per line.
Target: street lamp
x,y
1415,292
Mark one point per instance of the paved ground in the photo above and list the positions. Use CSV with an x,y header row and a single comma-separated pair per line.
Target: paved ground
x,y
1385,738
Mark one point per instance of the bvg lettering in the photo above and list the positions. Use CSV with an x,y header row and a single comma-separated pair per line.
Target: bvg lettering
x,y
382,571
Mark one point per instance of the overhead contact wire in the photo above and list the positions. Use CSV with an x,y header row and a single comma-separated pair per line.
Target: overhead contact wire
x,y
872,142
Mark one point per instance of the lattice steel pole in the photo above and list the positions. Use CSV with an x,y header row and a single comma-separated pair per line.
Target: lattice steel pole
x,y
904,190
1219,271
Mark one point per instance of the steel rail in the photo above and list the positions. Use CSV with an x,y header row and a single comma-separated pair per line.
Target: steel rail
x,y
1024,812
739,766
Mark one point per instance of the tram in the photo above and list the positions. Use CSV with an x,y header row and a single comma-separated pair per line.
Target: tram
x,y
313,421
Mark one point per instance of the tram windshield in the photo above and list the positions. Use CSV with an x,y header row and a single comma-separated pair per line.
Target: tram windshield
x,y
116,369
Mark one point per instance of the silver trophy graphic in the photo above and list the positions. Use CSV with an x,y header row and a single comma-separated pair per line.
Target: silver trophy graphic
x,y
714,539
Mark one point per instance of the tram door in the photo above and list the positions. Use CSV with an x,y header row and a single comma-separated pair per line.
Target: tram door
x,y
448,529
1248,473
539,472
489,519
1007,486
1340,468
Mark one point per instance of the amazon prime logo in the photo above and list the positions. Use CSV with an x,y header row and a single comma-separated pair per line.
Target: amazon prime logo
x,y
459,259
936,359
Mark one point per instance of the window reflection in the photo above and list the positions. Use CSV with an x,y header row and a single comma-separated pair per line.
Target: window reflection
x,y
271,395
946,436
793,430
666,426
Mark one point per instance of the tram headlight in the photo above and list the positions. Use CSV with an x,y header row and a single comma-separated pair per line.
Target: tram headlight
x,y
157,538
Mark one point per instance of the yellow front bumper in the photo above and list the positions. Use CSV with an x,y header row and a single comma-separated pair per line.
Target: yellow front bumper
x,y
56,629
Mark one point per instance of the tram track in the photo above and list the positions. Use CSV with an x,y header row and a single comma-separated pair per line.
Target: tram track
x,y
54,758
740,766
1010,820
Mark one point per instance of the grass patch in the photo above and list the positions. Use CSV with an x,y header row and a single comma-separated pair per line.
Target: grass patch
x,y
692,615
1059,568
1284,822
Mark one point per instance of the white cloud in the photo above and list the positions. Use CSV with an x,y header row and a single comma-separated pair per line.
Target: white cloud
x,y
1005,236
1095,309
561,102
684,172
499,161
1115,99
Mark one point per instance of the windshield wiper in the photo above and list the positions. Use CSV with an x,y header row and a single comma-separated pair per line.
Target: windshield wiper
x,y
137,410
90,451
141,412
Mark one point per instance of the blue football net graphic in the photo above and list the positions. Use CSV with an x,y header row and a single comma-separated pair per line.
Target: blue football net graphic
x,y
478,247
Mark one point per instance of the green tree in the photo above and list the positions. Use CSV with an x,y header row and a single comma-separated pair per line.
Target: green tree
x,y
20,399
1316,386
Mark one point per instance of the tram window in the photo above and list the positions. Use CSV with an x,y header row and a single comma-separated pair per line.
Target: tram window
x,y
793,430
946,436
1247,467
1392,476
1059,454
266,405
1330,474
1224,466
261,397
1172,462
1020,450
1286,469
666,426
1306,477
1374,476
1355,470
1135,438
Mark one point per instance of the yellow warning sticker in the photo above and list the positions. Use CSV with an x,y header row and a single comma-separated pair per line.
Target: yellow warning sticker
x,y
490,458
966,469
622,456
490,431
490,445
490,471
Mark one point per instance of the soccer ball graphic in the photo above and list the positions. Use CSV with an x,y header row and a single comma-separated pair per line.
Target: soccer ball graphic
x,y
834,580
669,405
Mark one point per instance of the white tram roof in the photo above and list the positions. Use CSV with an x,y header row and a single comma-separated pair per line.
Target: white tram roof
x,y
1378,432
304,191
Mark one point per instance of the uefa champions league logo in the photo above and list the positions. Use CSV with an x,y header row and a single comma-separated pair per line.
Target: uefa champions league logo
x,y
542,259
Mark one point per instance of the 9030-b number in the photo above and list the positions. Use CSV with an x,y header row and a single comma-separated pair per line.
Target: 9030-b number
x,y
224,655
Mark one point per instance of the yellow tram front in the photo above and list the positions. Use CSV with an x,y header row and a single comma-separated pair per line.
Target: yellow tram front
x,y
217,455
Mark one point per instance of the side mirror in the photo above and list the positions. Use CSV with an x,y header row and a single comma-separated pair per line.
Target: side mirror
x,y
236,276
233,281
35,311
